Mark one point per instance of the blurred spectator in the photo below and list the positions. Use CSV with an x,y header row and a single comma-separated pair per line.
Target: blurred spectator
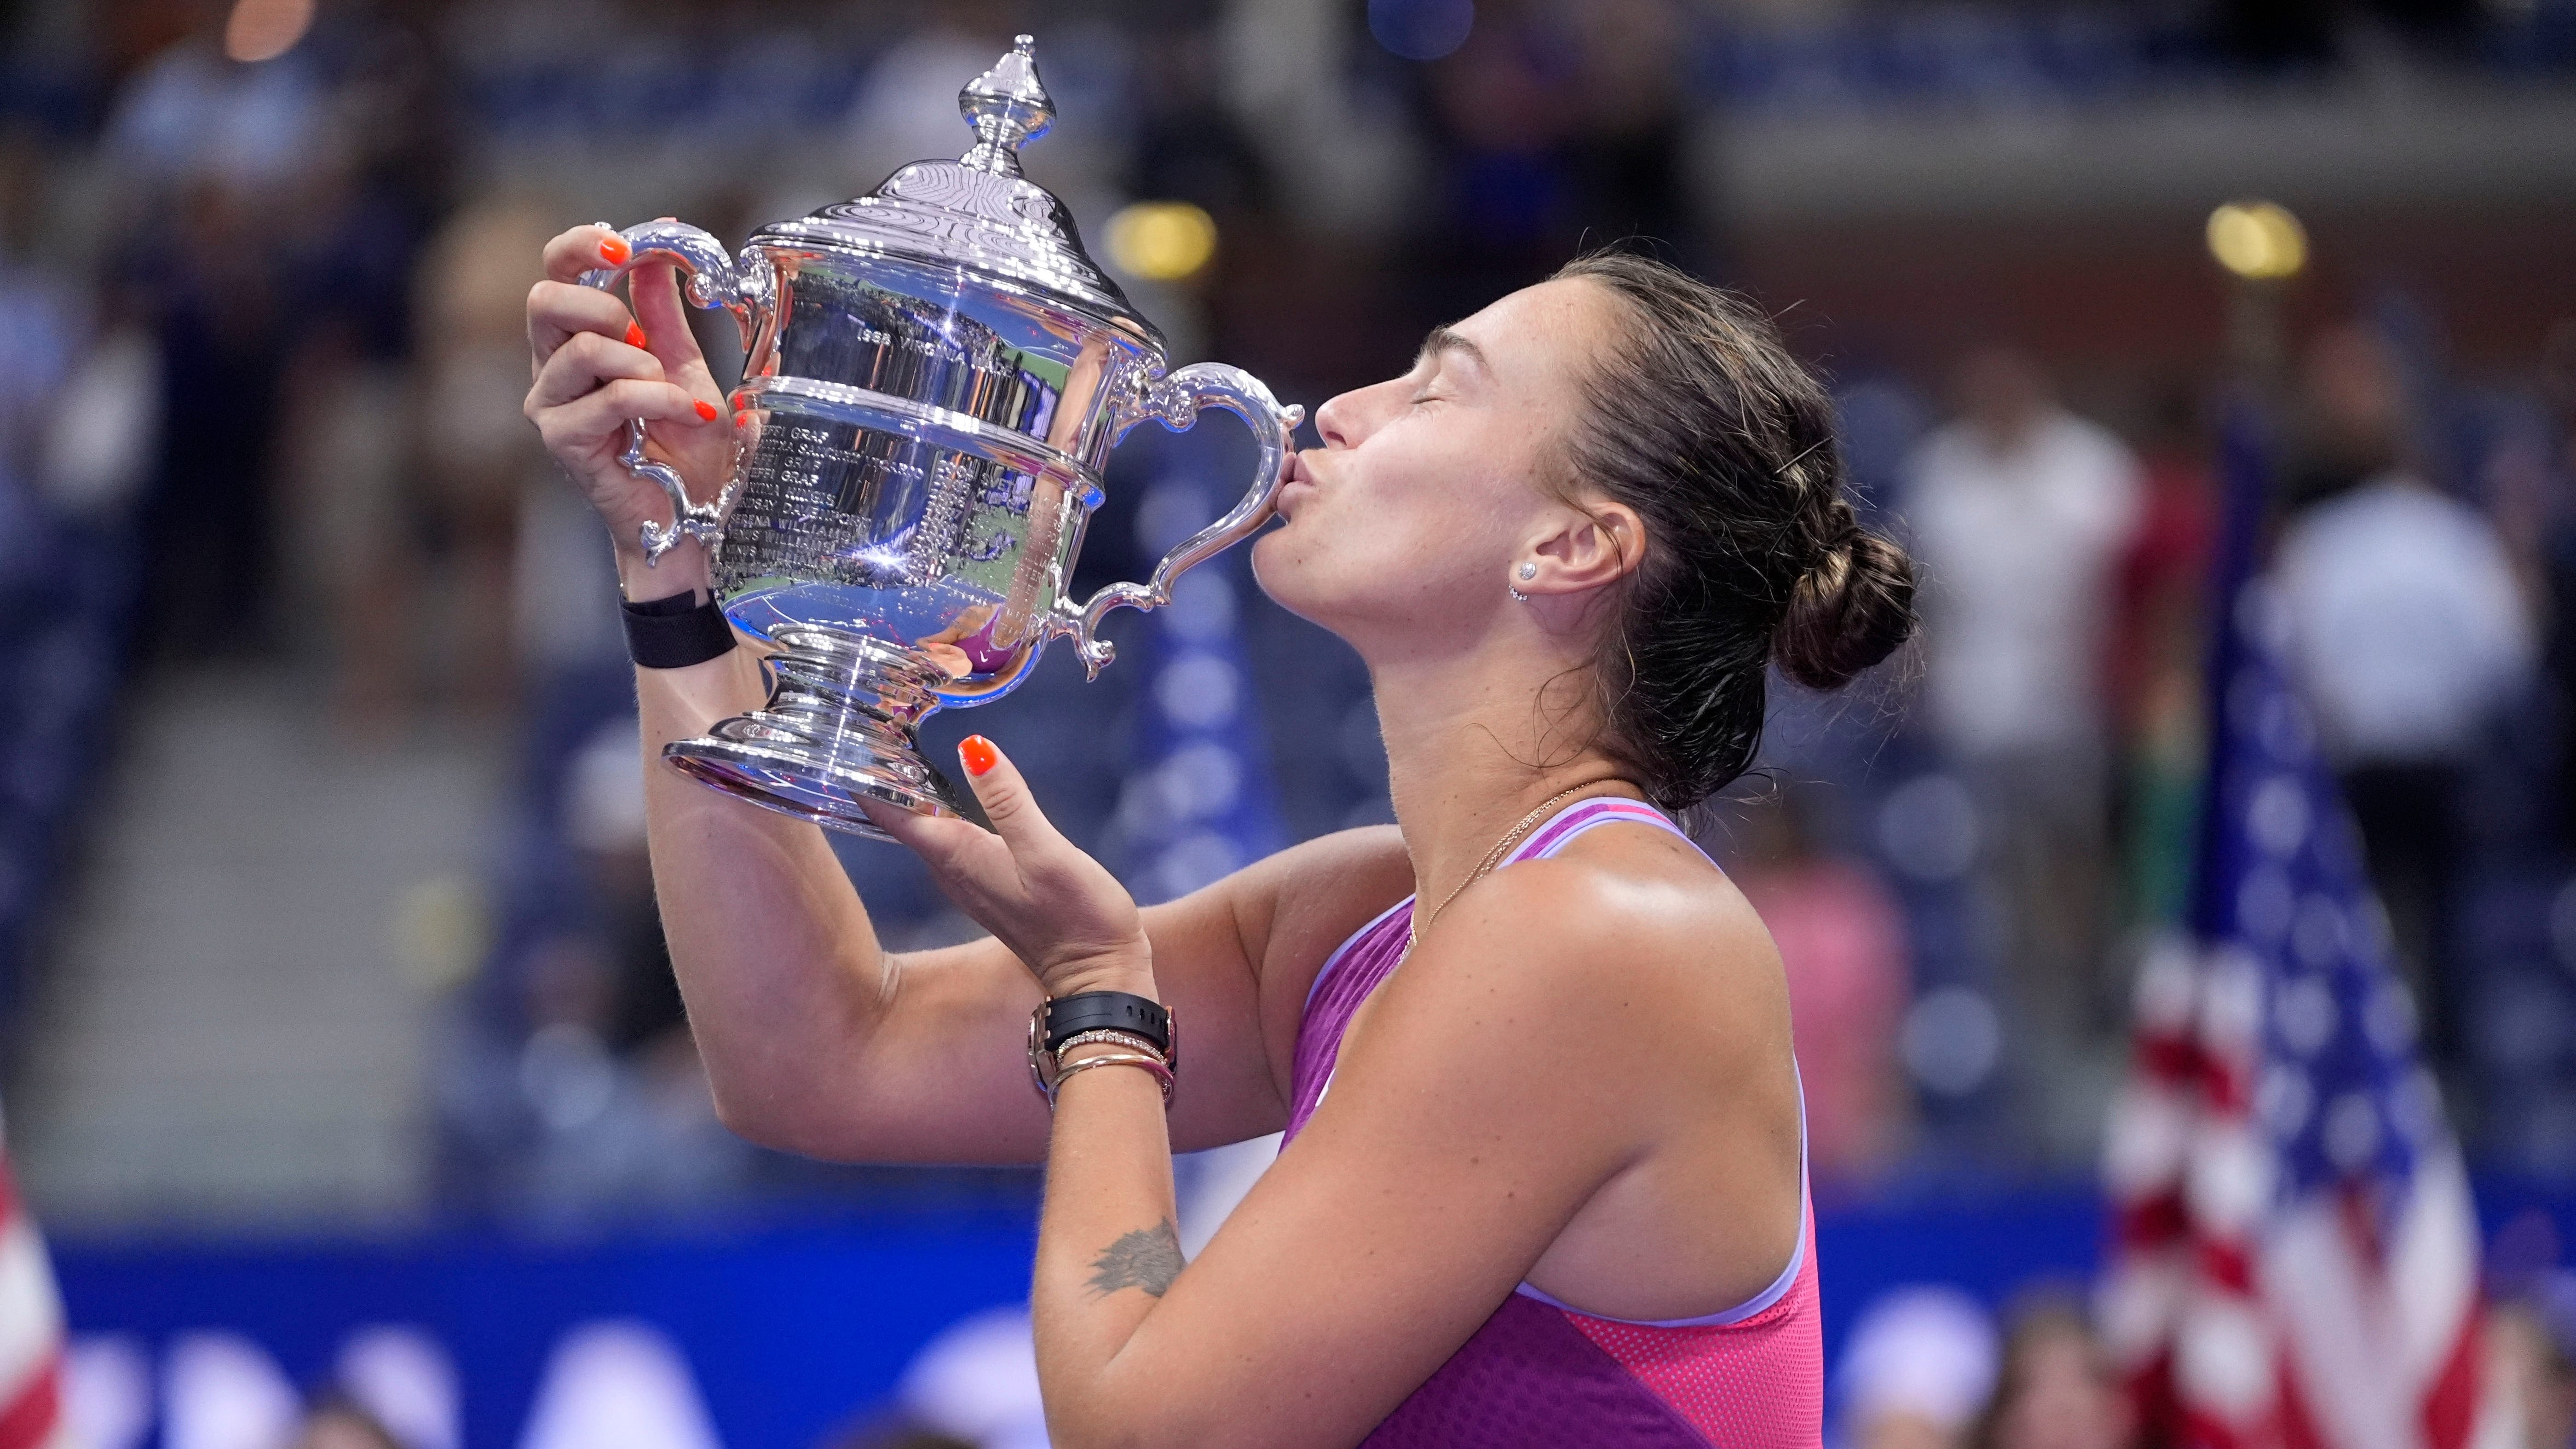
x,y
2156,686
2056,1390
1919,1365
2531,1363
210,530
1554,127
907,105
2022,513
40,324
1628,143
207,149
474,284
2409,632
2545,505
1841,935
593,1101
362,209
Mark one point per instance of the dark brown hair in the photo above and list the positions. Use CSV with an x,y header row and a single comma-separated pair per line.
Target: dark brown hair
x,y
1699,419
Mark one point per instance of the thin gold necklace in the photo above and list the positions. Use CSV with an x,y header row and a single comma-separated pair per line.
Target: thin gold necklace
x,y
1413,930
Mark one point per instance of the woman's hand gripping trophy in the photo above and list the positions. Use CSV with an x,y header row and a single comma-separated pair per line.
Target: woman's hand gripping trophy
x,y
597,366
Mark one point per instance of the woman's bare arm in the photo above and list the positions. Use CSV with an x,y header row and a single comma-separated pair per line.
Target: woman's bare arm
x,y
815,1038
819,1041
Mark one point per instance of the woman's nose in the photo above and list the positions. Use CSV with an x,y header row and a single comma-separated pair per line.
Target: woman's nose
x,y
1336,420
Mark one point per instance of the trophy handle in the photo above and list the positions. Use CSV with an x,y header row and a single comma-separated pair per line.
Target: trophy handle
x,y
1176,401
742,286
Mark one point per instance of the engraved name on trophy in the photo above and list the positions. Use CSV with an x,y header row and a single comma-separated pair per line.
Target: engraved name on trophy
x,y
936,373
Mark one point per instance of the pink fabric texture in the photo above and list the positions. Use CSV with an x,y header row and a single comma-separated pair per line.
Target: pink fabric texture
x,y
1535,1374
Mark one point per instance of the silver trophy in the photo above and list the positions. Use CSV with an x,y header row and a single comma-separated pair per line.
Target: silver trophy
x,y
936,373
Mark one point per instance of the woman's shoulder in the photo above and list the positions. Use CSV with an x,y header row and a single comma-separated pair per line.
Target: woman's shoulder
x,y
1627,926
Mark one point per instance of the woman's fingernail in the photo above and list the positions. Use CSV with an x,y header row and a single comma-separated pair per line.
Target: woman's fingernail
x,y
615,251
634,335
706,412
978,753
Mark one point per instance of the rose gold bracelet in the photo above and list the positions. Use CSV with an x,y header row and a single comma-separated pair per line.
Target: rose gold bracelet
x,y
1149,1062
1112,1036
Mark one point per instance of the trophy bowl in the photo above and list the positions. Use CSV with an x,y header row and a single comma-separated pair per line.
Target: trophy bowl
x,y
935,374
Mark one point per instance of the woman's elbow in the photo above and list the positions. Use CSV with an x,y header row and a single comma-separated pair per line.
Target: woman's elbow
x,y
781,1120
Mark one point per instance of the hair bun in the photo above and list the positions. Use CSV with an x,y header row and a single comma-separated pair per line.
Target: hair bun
x,y
1851,610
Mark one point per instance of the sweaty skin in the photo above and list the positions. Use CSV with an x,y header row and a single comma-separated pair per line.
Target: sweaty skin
x,y
1582,1080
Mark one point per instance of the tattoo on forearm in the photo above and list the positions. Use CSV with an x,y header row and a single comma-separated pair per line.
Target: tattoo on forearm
x,y
1148,1258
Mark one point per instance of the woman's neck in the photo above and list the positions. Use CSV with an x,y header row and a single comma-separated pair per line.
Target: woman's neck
x,y
1470,752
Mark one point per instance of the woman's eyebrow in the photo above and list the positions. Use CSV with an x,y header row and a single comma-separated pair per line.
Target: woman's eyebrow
x,y
1447,339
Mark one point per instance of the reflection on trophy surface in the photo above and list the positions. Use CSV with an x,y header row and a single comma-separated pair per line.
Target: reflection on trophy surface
x,y
935,375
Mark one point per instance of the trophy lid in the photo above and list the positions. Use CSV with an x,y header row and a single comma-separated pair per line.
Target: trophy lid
x,y
978,211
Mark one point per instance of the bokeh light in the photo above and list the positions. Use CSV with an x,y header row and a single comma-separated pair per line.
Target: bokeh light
x,y
1161,241
1421,29
2258,241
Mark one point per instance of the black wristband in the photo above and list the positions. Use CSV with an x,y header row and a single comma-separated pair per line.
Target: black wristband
x,y
1108,1011
676,632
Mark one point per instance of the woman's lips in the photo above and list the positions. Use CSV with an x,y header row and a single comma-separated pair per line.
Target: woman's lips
x,y
1295,479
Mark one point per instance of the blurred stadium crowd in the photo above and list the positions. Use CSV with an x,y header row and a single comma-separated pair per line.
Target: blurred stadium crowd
x,y
261,271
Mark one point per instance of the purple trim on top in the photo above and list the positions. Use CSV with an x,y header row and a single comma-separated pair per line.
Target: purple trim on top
x,y
1344,949
1362,962
1600,809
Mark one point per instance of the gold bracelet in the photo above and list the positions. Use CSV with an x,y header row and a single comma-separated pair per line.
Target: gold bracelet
x,y
1112,1036
1149,1062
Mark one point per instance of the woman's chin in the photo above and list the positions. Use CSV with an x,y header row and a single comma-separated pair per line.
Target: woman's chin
x,y
1275,570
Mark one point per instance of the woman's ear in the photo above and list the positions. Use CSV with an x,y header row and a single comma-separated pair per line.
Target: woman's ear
x,y
1597,544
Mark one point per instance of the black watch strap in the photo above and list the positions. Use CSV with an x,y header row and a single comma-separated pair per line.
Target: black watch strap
x,y
676,632
1108,1011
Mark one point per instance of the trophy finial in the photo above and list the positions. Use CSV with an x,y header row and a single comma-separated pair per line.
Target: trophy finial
x,y
1008,106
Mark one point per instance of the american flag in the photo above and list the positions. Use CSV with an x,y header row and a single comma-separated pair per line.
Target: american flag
x,y
2296,1264
31,1331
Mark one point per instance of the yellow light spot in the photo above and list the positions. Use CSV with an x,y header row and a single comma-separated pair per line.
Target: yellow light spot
x,y
2257,240
440,930
1161,241
265,29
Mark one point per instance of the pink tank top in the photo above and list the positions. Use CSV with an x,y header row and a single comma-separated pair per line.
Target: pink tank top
x,y
1539,1373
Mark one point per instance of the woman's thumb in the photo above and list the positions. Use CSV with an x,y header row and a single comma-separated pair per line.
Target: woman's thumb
x,y
654,288
1003,793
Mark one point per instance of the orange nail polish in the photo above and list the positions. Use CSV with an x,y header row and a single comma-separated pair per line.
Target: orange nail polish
x,y
615,251
634,335
706,412
978,753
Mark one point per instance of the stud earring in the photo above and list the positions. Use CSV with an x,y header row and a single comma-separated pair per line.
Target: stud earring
x,y
1529,571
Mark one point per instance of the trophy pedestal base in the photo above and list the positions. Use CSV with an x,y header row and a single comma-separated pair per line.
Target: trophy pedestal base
x,y
840,727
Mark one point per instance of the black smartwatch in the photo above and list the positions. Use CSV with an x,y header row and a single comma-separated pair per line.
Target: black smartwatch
x,y
1063,1017
676,632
